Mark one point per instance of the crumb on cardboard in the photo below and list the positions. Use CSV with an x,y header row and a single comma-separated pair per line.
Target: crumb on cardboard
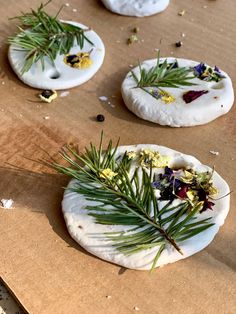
x,y
214,152
103,98
108,296
6,203
181,13
132,39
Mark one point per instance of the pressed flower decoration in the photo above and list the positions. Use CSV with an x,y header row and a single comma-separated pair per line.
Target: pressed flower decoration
x,y
80,60
207,73
166,97
44,35
107,174
152,158
191,95
128,189
187,185
131,155
170,75
161,76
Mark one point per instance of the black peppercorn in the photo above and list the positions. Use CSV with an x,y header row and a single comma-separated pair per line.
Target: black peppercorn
x,y
179,44
100,118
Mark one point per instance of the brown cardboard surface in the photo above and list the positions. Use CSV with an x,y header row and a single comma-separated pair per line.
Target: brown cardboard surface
x,y
46,270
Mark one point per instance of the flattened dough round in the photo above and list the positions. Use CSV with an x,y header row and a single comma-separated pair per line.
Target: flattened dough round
x,y
90,235
60,76
206,108
137,8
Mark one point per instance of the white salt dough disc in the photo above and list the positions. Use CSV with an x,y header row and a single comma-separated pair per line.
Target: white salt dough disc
x,y
90,235
206,108
138,8
60,76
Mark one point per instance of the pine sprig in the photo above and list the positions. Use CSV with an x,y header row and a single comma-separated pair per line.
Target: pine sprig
x,y
163,75
128,199
43,35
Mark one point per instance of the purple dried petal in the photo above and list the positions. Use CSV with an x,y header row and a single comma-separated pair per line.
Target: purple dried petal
x,y
216,69
193,94
168,171
156,184
155,94
199,69
177,183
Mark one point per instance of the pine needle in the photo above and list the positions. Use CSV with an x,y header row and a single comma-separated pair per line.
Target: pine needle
x,y
41,35
128,200
164,75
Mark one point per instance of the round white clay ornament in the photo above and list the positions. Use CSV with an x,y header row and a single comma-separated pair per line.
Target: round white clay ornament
x,y
137,8
61,75
91,235
184,106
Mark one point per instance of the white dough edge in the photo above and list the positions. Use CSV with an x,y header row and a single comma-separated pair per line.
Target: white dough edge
x,y
73,205
68,77
138,8
217,102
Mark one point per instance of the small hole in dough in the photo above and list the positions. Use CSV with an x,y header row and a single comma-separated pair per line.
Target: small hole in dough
x,y
218,86
180,163
54,75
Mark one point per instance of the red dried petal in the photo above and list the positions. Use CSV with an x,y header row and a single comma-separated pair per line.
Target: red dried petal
x,y
193,94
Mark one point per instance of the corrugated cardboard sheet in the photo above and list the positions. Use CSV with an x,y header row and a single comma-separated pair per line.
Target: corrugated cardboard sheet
x,y
46,270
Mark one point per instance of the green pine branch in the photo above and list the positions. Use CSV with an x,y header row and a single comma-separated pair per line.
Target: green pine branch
x,y
128,199
163,75
43,35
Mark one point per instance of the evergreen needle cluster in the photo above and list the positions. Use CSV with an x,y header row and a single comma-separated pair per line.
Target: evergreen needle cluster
x,y
128,199
164,75
44,35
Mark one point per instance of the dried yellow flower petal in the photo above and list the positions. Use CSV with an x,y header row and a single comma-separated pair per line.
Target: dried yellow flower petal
x,y
181,13
131,155
148,157
213,190
188,177
191,195
132,39
161,162
166,97
107,174
80,60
